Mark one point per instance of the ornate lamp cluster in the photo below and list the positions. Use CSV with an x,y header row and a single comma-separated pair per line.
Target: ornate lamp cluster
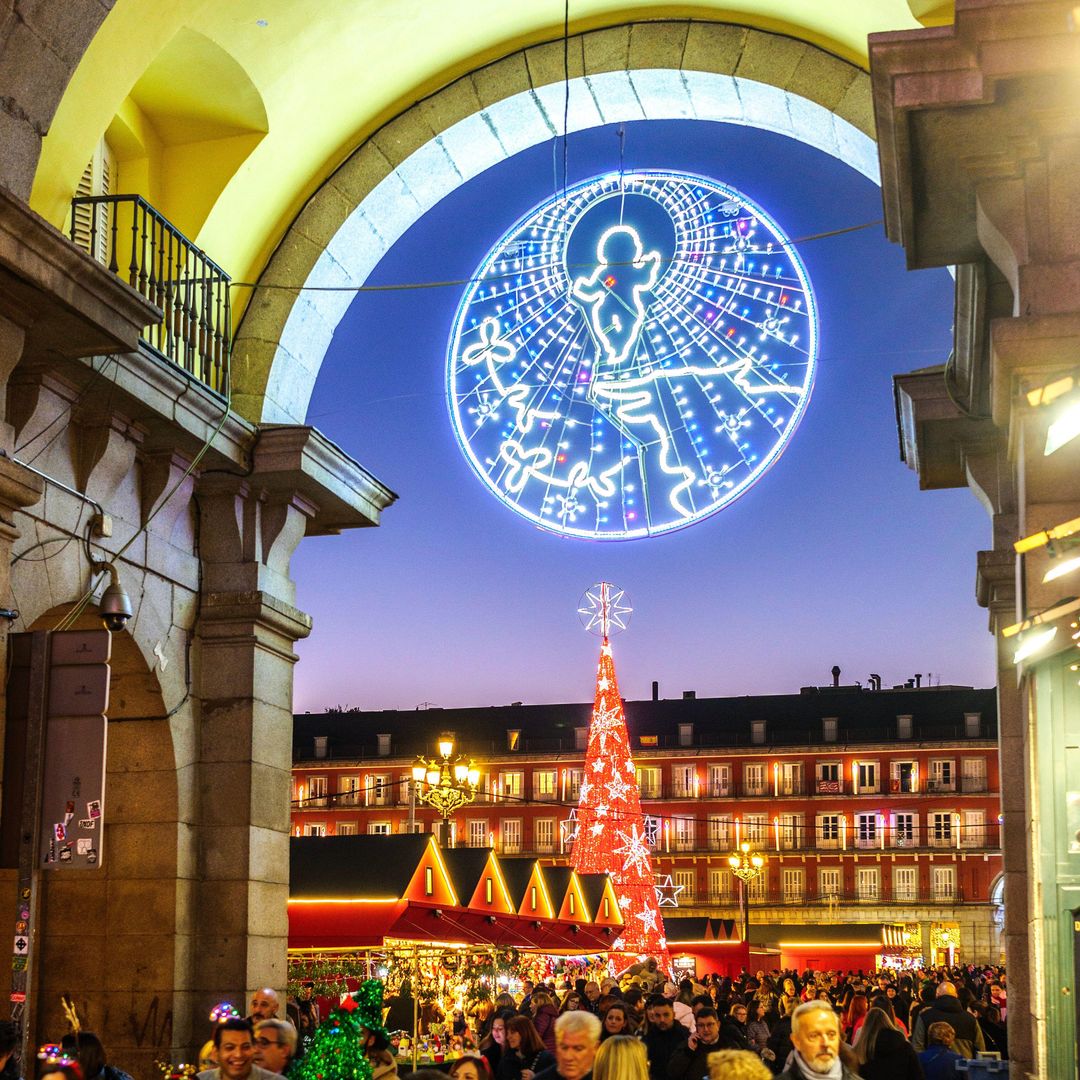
x,y
445,785
746,864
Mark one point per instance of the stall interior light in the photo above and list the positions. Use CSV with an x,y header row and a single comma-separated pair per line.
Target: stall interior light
x,y
1060,569
1063,607
1048,394
1064,429
1032,642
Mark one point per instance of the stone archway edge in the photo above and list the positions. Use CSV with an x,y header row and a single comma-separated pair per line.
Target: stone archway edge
x,y
653,71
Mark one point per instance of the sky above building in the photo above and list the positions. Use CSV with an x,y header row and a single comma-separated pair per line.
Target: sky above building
x,y
833,557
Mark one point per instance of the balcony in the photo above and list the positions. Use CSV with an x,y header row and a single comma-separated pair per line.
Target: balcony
x,y
829,787
974,785
166,268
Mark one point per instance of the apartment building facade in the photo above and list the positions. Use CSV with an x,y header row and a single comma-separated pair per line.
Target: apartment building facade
x,y
872,806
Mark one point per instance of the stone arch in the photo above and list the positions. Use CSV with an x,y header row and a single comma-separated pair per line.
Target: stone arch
x,y
656,70
40,46
127,949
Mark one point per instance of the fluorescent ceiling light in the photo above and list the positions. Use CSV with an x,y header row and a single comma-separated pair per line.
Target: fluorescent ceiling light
x,y
1033,642
1060,569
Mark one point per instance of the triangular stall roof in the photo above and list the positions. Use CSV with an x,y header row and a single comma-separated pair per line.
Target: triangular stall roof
x,y
535,900
478,880
368,868
567,894
600,896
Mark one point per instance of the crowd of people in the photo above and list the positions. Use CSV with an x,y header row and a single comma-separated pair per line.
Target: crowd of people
x,y
887,1026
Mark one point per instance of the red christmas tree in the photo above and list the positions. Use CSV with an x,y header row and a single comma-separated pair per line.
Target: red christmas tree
x,y
611,835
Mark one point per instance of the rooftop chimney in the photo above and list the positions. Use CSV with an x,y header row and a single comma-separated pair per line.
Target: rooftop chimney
x,y
689,695
836,674
655,690
918,679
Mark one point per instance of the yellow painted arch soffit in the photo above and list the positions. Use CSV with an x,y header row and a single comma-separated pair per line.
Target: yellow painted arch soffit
x,y
228,116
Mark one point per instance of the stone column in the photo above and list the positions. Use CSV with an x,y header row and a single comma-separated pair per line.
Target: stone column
x,y
246,631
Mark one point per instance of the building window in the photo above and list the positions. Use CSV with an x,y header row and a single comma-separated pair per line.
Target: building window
x,y
828,728
686,879
906,884
348,791
544,834
383,745
683,830
719,781
828,881
904,727
904,825
686,734
757,732
429,881
378,790
545,784
866,778
510,832
581,738
758,891
576,776
866,830
792,885
790,831
489,890
867,884
720,886
513,739
648,778
828,831
314,828
944,883
942,775
973,725
719,826
791,778
477,834
973,828
902,776
511,784
322,745
378,828
316,791
755,829
346,828
683,781
973,774
829,780
941,828
753,779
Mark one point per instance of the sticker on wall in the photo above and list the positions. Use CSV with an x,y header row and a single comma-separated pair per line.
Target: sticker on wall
x,y
59,832
84,846
87,823
93,808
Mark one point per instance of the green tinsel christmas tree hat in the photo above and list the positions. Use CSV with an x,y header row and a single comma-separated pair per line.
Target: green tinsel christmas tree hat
x,y
368,1011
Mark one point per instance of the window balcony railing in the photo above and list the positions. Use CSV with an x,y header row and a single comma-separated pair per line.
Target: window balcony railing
x,y
166,268
972,785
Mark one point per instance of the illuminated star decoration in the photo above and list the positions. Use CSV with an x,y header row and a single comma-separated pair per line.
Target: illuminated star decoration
x,y
645,379
652,830
604,610
667,892
634,850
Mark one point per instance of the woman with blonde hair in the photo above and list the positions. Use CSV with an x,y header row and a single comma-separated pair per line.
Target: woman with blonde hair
x,y
737,1065
622,1057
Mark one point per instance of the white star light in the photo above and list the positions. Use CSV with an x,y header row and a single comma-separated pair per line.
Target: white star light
x,y
667,892
597,829
604,683
648,918
604,610
583,791
624,902
635,850
598,765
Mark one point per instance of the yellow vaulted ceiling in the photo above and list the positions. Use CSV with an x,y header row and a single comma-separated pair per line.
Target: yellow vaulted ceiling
x,y
228,114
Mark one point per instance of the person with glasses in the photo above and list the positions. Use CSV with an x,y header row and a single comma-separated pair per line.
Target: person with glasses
x,y
275,1045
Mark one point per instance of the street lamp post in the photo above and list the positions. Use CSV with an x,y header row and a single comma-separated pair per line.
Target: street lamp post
x,y
746,865
448,784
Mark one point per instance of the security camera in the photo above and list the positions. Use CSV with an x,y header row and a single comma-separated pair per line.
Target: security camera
x,y
115,607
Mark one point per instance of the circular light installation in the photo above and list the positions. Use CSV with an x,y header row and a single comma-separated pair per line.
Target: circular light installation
x,y
632,355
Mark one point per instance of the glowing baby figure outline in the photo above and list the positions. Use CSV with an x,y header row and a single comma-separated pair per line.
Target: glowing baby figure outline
x,y
629,405
606,305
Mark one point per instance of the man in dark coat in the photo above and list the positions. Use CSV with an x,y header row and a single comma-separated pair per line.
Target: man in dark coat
x,y
815,1035
690,1062
663,1037
947,1008
577,1038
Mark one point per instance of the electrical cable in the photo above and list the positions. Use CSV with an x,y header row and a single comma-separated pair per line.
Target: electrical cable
x,y
460,282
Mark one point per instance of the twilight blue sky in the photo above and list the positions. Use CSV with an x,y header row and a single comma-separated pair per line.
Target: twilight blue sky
x,y
834,557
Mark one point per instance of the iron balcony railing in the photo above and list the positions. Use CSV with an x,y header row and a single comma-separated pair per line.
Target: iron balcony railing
x,y
165,267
